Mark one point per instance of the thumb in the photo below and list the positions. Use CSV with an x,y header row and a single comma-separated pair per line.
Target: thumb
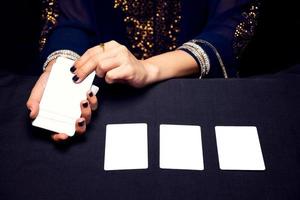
x,y
35,97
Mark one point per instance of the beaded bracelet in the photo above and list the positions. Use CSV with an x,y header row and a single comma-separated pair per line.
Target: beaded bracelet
x,y
199,54
204,42
64,53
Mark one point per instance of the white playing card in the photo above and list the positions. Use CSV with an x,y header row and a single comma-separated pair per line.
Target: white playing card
x,y
126,147
239,148
181,147
60,104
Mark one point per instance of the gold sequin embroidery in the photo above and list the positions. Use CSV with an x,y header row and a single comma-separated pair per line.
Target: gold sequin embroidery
x,y
152,26
49,19
246,29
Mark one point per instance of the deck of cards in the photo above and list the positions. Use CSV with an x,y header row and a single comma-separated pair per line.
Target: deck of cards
x,y
60,103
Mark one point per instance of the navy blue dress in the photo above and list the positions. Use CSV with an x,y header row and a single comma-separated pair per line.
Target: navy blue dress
x,y
149,28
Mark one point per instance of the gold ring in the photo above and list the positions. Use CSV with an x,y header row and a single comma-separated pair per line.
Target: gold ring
x,y
102,46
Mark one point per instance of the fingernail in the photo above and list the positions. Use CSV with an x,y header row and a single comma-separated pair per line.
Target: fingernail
x,y
75,78
91,94
85,105
73,69
81,124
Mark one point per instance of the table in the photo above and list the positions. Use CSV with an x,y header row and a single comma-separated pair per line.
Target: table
x,y
34,167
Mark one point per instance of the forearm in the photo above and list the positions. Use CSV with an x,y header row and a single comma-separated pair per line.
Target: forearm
x,y
170,65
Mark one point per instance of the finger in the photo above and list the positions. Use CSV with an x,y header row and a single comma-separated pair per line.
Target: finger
x,y
80,126
107,65
91,97
83,71
94,61
86,111
86,56
111,45
110,60
86,63
119,74
97,50
36,95
58,137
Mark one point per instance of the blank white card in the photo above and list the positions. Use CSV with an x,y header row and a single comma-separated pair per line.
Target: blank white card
x,y
239,148
60,104
181,147
126,147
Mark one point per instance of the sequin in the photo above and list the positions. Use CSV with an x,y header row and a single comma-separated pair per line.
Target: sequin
x,y
152,26
49,19
246,29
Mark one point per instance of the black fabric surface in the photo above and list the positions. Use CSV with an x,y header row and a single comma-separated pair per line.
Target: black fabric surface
x,y
33,167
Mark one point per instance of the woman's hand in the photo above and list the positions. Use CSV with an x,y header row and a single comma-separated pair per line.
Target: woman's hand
x,y
87,106
116,64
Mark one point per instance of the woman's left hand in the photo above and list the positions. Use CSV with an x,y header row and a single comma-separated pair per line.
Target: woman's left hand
x,y
115,63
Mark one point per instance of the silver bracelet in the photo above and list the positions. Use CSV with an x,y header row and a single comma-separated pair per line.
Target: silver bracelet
x,y
199,41
64,53
200,55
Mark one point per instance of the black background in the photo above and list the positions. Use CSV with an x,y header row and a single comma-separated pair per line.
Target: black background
x,y
276,44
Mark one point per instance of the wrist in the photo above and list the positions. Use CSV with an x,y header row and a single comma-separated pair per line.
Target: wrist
x,y
152,72
49,66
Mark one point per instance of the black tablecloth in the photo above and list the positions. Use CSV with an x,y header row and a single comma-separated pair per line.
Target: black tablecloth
x,y
34,167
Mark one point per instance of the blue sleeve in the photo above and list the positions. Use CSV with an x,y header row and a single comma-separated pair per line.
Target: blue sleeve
x,y
230,27
73,30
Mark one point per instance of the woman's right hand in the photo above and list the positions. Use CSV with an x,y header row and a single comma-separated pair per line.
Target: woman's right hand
x,y
87,106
